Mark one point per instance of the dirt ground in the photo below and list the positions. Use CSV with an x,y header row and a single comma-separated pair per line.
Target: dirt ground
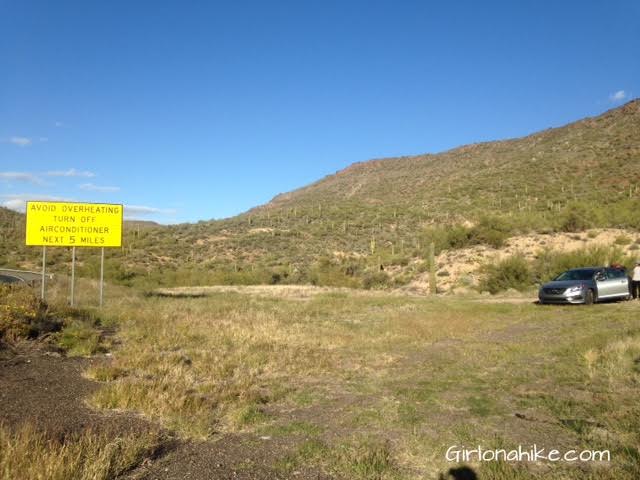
x,y
49,391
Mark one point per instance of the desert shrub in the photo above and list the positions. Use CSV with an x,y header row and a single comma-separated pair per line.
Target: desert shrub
x,y
551,263
622,240
378,279
23,315
352,269
401,260
326,273
512,272
491,231
626,214
575,218
527,221
456,237
402,279
443,237
79,338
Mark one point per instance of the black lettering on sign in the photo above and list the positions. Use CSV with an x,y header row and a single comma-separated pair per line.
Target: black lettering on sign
x,y
52,239
92,240
38,207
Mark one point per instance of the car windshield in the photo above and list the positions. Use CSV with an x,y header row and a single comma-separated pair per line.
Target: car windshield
x,y
576,275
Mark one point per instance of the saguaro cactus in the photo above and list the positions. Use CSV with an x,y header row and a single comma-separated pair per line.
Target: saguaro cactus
x,y
432,269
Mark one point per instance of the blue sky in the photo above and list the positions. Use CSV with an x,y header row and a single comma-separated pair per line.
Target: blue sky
x,y
188,111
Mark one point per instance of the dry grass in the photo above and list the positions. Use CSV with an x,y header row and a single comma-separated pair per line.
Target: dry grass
x,y
412,374
616,362
273,291
30,455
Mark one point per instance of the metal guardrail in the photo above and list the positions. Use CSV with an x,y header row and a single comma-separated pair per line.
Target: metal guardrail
x,y
31,278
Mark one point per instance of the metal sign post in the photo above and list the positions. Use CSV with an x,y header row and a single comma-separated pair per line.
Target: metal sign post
x,y
101,274
44,266
73,271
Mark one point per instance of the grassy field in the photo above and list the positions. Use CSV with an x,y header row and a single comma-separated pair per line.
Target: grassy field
x,y
379,386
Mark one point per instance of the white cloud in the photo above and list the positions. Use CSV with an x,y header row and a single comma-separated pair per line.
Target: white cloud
x,y
618,96
21,141
36,177
14,204
72,172
58,124
18,202
20,177
97,188
43,139
140,210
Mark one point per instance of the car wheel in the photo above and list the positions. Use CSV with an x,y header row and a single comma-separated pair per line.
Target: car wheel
x,y
589,297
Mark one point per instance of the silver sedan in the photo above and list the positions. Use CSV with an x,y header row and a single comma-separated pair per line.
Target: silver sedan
x,y
586,285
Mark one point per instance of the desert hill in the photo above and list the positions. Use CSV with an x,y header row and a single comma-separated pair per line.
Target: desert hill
x,y
382,214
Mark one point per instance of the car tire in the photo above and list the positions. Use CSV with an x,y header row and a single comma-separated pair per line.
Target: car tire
x,y
589,297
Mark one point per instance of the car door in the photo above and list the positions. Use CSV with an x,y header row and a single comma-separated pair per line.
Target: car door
x,y
606,284
620,282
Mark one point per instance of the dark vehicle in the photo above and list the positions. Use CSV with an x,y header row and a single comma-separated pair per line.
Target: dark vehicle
x,y
586,285
10,279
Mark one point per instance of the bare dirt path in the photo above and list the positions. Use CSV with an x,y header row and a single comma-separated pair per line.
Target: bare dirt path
x,y
48,391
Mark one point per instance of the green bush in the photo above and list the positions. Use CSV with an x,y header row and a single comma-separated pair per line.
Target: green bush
x,y
79,338
375,280
550,264
516,272
23,315
456,236
491,231
575,218
622,240
512,272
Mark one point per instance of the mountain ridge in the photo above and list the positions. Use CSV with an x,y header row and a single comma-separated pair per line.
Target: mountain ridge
x,y
478,149
628,108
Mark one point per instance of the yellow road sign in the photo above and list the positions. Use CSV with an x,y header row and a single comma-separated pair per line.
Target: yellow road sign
x,y
65,224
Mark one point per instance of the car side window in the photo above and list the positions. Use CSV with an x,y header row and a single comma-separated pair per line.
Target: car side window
x,y
615,273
